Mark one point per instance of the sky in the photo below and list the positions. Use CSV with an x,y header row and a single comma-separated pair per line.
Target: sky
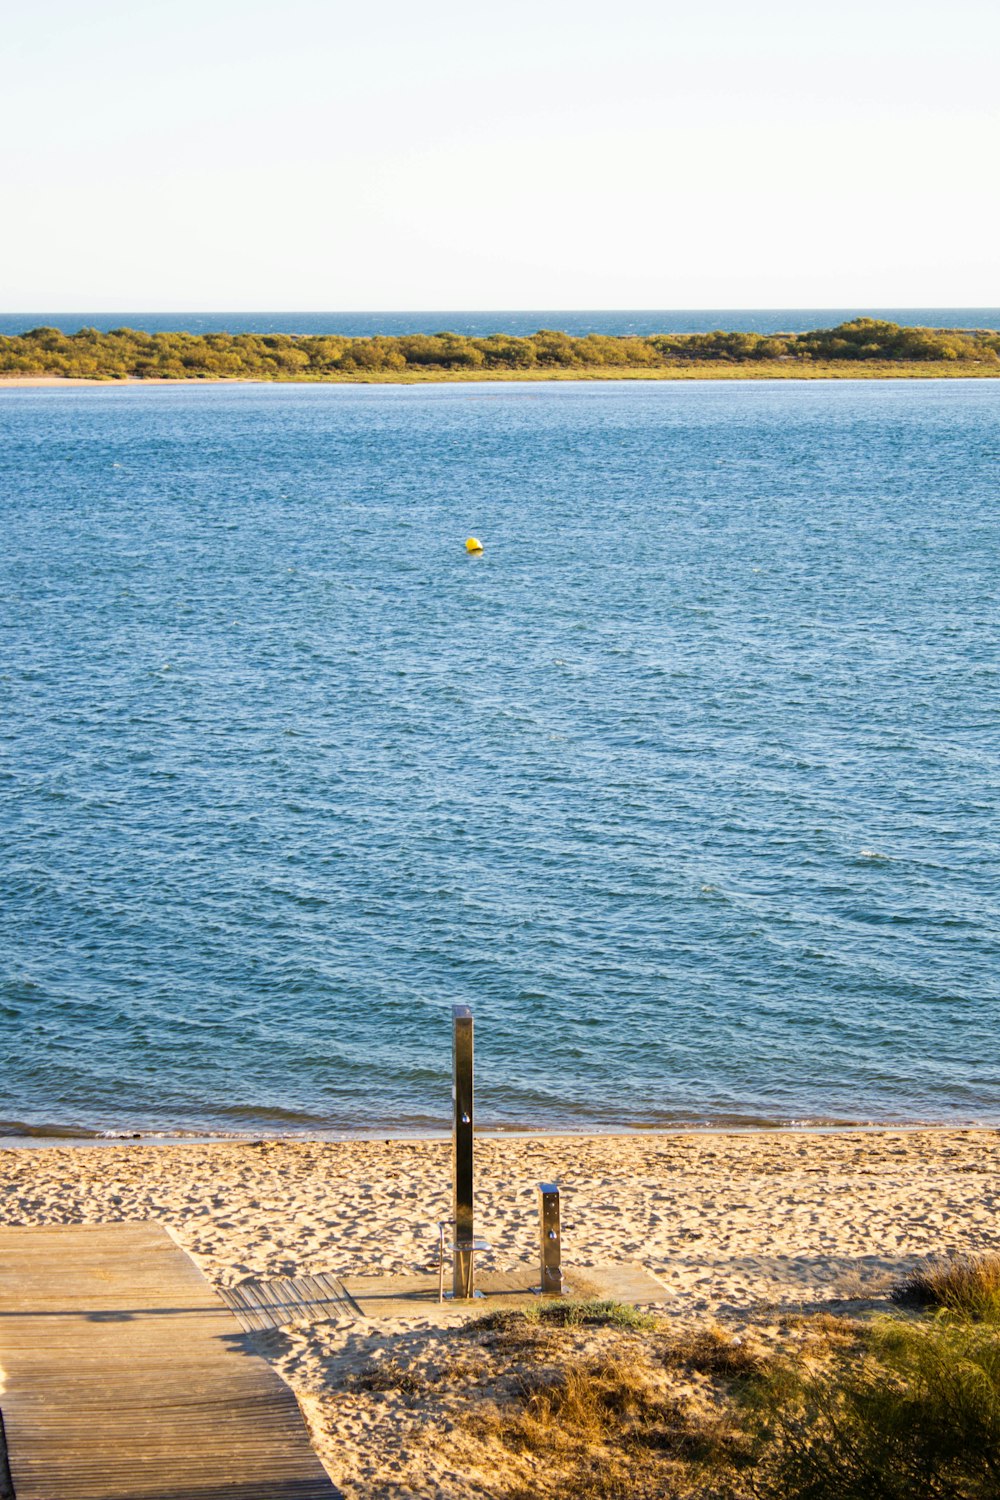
x,y
209,155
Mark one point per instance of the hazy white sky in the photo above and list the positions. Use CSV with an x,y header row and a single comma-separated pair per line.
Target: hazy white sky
x,y
308,154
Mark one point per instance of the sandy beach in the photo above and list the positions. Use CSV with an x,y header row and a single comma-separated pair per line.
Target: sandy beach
x,y
740,1228
765,370
19,382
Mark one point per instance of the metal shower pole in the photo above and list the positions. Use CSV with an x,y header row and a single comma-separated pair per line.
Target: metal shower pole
x,y
462,1055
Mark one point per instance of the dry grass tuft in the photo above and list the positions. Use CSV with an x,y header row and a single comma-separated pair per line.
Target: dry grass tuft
x,y
712,1351
537,1332
568,1314
607,1428
966,1285
600,1397
389,1375
514,1336
829,1332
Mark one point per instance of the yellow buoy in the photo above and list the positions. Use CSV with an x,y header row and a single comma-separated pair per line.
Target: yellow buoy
x,y
473,544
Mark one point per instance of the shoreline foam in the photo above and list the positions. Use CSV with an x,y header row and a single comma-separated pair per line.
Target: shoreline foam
x,y
25,1137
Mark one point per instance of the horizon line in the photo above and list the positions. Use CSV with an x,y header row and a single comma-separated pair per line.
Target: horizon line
x,y
451,311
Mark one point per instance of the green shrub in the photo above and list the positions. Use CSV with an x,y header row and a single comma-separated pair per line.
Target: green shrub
x,y
917,1417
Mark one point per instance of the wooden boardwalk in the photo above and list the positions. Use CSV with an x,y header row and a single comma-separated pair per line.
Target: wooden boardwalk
x,y
123,1376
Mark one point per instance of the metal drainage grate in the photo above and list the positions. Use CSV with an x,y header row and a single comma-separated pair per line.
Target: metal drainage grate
x,y
299,1299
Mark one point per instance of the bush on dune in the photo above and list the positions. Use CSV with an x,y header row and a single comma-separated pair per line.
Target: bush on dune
x,y
282,356
917,1417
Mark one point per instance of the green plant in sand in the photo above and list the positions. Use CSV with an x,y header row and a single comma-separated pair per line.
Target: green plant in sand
x,y
964,1285
915,1417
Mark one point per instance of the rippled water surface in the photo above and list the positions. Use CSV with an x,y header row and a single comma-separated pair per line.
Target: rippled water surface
x,y
688,784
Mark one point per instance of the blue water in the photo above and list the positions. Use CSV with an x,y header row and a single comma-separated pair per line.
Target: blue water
x,y
689,785
482,324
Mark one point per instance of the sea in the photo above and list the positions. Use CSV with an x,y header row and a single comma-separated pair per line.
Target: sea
x,y
688,784
522,323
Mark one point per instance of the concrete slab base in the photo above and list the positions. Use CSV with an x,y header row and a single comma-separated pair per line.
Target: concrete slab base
x,y
416,1296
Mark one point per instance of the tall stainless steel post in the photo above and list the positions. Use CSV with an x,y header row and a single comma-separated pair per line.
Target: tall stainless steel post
x,y
462,1053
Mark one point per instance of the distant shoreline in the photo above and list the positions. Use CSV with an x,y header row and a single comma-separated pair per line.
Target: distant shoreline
x,y
883,370
866,349
53,1141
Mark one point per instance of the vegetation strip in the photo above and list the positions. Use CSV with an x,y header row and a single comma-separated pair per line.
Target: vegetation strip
x,y
600,1401
864,347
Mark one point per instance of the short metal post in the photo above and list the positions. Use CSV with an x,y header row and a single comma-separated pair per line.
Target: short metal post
x,y
441,1230
464,1253
550,1240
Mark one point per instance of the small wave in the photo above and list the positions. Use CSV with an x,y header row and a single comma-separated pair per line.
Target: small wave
x,y
31,1131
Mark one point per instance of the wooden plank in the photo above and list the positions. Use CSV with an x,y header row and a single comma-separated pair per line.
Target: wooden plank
x,y
334,1288
246,1314
268,1303
311,1294
285,1299
127,1378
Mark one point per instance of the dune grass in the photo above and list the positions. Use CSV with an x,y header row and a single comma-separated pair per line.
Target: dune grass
x,y
963,1285
605,1428
568,1314
714,1352
599,1406
916,1417
599,1401
905,1407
